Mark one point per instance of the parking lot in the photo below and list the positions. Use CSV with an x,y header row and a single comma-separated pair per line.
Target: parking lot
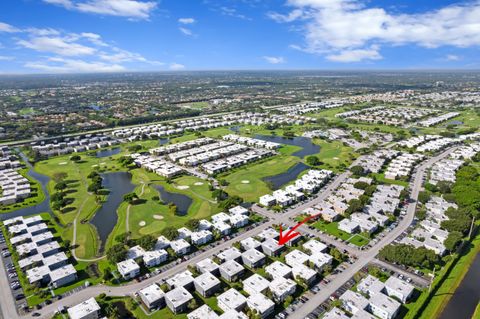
x,y
12,275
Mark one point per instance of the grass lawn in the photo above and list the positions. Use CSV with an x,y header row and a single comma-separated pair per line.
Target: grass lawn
x,y
330,113
332,229
36,196
26,111
381,178
254,173
196,105
476,315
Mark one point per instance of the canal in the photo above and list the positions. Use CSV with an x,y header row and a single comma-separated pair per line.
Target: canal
x,y
465,299
105,219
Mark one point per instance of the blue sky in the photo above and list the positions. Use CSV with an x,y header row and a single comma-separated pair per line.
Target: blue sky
x,y
65,36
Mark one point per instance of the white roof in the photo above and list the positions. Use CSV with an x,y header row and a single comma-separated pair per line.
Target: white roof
x,y
83,309
203,312
232,299
151,294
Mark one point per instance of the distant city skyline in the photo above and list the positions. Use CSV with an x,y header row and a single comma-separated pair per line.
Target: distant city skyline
x,y
90,36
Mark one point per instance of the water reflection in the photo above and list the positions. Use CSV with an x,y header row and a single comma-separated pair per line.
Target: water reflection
x,y
108,152
105,219
308,147
277,181
182,202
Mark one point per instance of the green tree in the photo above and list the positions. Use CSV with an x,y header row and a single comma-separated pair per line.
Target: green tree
x,y
453,240
76,158
130,198
147,242
423,197
117,253
313,160
60,186
361,185
170,233
357,170
192,224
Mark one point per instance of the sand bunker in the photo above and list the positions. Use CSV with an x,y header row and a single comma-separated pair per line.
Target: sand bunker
x,y
335,158
245,182
142,223
183,187
95,165
198,183
158,217
63,163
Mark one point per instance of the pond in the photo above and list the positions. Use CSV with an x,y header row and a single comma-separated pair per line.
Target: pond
x,y
466,297
43,207
163,141
308,147
277,181
182,202
108,152
105,219
455,122
235,128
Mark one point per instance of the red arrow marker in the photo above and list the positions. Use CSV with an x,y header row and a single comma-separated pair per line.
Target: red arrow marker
x,y
283,239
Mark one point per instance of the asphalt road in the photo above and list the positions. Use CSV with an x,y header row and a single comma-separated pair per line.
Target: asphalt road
x,y
364,257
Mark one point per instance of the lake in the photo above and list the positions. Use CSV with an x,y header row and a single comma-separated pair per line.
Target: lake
x,y
108,152
182,202
105,219
308,147
277,181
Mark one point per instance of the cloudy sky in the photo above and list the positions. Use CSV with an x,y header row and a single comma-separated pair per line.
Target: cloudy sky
x,y
63,36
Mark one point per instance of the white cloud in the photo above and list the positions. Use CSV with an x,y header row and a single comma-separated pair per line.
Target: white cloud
x,y
176,66
134,9
346,30
61,52
232,12
6,58
5,27
355,55
452,57
274,59
57,45
60,65
185,31
186,20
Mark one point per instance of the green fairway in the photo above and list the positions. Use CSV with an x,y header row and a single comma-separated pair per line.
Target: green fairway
x,y
152,216
334,154
247,182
